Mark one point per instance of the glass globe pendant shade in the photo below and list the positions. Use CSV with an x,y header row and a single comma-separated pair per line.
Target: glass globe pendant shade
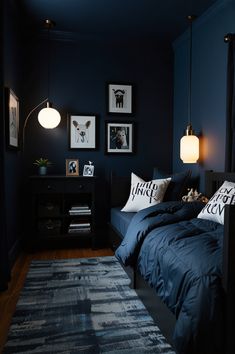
x,y
48,117
189,148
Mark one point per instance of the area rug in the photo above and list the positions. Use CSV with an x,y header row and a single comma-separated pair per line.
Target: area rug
x,y
82,306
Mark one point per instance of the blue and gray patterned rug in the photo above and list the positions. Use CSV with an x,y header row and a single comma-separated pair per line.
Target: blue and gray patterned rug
x,y
82,306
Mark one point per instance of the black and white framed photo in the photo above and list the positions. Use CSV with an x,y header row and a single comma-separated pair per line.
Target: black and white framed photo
x,y
88,170
12,119
72,167
119,137
120,98
82,131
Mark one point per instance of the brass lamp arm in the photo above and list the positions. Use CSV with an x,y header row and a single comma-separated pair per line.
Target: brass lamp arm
x,y
27,118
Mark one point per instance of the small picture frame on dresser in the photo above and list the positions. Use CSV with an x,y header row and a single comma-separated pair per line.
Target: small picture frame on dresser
x,y
88,170
72,167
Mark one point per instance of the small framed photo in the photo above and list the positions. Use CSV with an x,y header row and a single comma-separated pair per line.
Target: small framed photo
x,y
88,170
120,98
82,132
72,167
119,138
12,119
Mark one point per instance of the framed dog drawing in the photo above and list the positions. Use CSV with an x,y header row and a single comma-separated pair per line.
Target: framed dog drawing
x,y
119,138
82,131
120,99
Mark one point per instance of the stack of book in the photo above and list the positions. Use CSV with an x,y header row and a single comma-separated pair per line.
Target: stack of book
x,y
80,209
77,227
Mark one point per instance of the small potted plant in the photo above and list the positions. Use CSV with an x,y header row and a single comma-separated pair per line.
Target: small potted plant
x,y
42,165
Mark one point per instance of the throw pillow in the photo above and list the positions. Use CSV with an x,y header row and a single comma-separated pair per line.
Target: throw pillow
x,y
214,209
177,186
145,194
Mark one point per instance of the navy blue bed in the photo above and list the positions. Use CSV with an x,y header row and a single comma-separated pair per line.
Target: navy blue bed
x,y
183,267
180,256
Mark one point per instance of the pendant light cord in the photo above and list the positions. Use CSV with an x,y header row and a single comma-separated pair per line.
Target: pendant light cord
x,y
190,74
48,62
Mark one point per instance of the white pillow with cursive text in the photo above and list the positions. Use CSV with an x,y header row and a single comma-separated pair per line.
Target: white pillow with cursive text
x,y
214,209
145,194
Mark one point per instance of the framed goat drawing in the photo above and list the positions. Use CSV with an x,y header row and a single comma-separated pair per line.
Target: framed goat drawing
x,y
119,138
82,131
120,98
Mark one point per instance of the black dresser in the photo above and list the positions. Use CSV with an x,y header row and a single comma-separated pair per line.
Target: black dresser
x,y
63,209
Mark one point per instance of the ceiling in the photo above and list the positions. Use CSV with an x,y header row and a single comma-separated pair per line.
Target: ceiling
x,y
161,19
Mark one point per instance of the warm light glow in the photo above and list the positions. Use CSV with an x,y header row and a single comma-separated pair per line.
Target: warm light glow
x,y
189,148
49,118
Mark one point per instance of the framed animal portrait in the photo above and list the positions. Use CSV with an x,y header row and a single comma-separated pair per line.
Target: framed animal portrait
x,y
72,167
120,98
119,138
88,170
82,131
12,125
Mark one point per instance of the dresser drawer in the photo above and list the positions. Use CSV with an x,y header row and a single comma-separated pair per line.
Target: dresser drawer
x,y
47,186
73,186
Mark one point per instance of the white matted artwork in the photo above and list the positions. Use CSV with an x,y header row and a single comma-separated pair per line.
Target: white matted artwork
x,y
119,137
120,98
82,131
13,120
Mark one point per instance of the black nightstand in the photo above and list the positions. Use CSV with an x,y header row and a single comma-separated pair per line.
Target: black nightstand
x,y
63,209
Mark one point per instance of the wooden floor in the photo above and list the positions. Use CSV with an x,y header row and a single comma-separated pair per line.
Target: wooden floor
x,y
9,298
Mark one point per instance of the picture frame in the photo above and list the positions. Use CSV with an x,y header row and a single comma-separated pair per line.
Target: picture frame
x,y
88,170
12,125
119,137
72,167
82,132
120,98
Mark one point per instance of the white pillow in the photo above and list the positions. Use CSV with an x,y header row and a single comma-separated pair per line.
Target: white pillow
x,y
145,194
214,209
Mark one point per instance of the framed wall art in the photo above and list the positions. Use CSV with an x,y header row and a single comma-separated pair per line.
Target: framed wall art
x,y
12,125
72,167
120,98
119,137
82,132
88,170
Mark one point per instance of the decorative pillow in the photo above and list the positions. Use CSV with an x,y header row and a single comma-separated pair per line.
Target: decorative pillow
x,y
214,209
177,186
145,194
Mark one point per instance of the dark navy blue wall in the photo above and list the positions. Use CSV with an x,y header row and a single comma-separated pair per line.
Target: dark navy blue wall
x,y
79,73
12,62
208,87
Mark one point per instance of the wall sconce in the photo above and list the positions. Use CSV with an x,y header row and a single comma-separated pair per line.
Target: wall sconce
x,y
189,143
49,117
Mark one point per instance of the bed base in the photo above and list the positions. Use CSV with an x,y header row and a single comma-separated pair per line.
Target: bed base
x,y
162,316
160,313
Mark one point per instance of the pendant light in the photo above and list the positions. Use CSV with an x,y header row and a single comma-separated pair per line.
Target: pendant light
x,y
49,117
189,143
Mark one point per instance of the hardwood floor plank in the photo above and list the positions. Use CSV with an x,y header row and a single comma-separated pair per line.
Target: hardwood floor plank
x,y
9,298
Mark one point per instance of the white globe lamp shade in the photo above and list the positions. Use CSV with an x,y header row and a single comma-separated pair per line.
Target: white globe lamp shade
x,y
49,118
189,148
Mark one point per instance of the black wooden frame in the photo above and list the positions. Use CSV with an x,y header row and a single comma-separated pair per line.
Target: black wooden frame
x,y
120,187
96,131
129,114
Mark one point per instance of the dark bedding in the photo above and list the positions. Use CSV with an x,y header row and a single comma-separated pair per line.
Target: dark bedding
x,y
120,220
181,256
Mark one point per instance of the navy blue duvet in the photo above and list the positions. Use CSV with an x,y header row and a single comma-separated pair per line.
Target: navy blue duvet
x,y
180,256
